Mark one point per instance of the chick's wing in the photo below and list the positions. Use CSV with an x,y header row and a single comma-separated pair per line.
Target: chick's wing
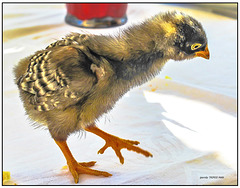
x,y
57,78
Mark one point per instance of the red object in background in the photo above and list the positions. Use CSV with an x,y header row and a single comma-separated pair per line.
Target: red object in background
x,y
86,11
96,14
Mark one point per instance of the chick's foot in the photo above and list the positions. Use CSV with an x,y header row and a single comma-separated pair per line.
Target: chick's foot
x,y
78,168
86,164
82,168
117,143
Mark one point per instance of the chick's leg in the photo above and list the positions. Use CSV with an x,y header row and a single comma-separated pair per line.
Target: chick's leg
x,y
116,143
78,168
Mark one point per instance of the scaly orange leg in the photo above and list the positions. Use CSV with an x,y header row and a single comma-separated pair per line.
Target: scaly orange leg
x,y
116,143
78,168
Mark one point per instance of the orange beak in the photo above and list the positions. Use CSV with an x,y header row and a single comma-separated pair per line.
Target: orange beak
x,y
204,54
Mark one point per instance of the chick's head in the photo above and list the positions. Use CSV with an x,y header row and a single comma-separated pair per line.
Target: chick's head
x,y
191,39
186,37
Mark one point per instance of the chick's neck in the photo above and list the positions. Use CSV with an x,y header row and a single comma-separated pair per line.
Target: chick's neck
x,y
134,55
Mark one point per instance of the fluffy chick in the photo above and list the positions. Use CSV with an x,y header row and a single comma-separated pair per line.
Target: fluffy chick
x,y
74,81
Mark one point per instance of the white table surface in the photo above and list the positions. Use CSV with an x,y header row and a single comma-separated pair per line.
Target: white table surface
x,y
188,123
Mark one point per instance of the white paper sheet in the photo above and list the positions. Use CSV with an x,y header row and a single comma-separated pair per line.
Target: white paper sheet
x,y
188,123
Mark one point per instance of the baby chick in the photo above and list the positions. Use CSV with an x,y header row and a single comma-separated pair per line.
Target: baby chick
x,y
74,81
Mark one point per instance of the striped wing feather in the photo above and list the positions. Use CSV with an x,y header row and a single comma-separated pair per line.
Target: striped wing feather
x,y
47,83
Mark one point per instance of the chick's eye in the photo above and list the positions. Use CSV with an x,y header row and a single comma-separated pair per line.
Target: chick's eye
x,y
196,46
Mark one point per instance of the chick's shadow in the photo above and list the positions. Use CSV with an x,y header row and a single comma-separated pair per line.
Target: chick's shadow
x,y
137,119
134,110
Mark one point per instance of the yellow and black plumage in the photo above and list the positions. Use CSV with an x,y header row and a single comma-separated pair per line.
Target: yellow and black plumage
x,y
74,81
